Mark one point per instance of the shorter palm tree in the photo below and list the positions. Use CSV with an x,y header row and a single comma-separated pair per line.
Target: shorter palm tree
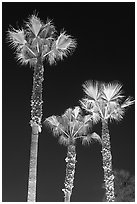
x,y
104,102
69,127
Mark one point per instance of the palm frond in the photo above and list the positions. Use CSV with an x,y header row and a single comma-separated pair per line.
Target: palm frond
x,y
117,114
96,137
92,89
34,25
24,59
26,55
76,111
87,104
54,124
47,31
65,43
118,110
96,117
64,140
61,48
112,91
87,118
16,38
92,107
90,138
128,102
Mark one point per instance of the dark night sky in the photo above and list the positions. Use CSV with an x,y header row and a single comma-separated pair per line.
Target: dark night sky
x,y
105,51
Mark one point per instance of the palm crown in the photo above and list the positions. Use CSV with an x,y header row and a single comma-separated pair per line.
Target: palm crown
x,y
105,100
39,39
72,125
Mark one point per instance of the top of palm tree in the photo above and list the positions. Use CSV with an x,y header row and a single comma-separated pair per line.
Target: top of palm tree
x,y
72,125
39,39
105,100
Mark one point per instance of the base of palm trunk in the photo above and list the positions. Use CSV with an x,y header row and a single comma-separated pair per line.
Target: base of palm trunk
x,y
33,165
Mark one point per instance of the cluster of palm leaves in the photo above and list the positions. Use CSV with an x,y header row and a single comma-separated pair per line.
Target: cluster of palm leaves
x,y
103,102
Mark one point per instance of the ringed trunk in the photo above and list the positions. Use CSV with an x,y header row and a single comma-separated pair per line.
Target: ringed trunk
x,y
70,171
36,115
107,163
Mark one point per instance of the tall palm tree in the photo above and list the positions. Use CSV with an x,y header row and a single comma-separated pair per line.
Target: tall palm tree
x,y
105,102
69,127
34,43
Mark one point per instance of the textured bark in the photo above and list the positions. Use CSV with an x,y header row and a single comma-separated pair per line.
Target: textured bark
x,y
36,116
70,171
33,165
107,162
36,98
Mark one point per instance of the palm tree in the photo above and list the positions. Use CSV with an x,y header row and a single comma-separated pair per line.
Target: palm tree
x,y
105,102
69,127
34,43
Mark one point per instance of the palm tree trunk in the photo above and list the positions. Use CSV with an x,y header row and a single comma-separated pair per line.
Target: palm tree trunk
x,y
70,171
107,162
33,165
36,115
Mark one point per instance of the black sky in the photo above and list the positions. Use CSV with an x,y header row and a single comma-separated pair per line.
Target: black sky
x,y
105,34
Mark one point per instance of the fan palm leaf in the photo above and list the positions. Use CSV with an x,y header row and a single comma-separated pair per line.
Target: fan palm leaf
x,y
92,89
56,125
34,25
61,47
16,38
90,138
112,91
64,140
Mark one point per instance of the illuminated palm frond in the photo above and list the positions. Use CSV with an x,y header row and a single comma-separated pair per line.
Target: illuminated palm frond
x,y
90,138
128,102
112,91
91,107
117,114
87,104
16,38
92,89
48,30
24,53
34,25
96,117
64,140
53,122
76,112
61,48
